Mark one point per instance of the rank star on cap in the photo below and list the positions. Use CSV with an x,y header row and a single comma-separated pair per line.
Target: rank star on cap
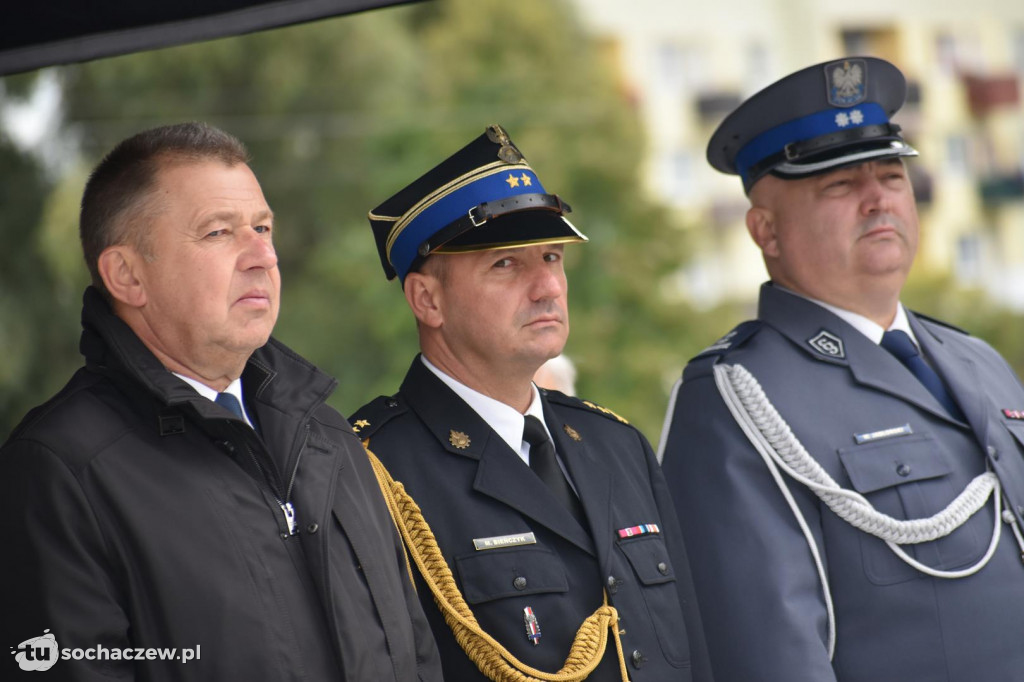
x,y
512,180
526,180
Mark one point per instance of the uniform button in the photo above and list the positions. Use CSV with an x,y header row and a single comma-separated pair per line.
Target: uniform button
x,y
992,452
903,470
613,584
312,528
663,568
637,658
519,583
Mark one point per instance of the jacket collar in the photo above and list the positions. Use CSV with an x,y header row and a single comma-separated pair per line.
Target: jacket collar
x,y
112,348
501,473
825,337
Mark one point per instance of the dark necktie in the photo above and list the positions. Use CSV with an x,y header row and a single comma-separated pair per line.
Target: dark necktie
x,y
545,465
230,402
899,344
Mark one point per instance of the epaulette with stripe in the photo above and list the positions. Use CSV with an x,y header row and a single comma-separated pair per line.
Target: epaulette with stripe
x,y
375,414
703,361
571,401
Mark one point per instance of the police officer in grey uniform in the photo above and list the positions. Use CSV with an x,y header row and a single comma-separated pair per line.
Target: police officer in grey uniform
x,y
543,506
848,473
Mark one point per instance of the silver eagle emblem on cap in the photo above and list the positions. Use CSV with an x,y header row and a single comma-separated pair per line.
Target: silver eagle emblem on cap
x,y
846,82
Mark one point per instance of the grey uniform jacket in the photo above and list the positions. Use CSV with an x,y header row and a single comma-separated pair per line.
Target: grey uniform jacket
x,y
764,611
136,514
471,485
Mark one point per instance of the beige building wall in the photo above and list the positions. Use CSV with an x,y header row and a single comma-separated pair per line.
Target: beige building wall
x,y
688,64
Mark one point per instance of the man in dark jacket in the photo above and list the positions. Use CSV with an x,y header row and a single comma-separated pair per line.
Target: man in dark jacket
x,y
542,505
187,507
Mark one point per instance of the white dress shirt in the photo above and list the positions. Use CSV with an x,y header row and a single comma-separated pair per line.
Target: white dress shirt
x,y
234,388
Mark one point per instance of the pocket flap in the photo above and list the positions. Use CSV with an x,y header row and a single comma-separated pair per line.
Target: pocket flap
x,y
649,558
894,462
498,573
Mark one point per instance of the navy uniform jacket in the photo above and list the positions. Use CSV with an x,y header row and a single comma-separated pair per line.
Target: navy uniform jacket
x,y
750,558
483,489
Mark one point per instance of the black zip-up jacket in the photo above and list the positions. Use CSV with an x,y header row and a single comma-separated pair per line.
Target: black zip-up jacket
x,y
136,514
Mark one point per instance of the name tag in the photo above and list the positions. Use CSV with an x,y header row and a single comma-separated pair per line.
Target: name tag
x,y
504,541
893,432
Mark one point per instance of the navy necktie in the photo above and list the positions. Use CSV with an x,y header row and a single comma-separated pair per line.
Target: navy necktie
x,y
231,403
899,344
545,465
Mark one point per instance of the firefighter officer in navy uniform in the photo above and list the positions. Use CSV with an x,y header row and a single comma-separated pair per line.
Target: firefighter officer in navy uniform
x,y
800,537
543,505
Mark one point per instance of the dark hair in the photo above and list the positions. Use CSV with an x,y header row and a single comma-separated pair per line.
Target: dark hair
x,y
115,200
435,265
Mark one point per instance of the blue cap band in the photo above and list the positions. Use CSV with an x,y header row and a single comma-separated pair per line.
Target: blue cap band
x,y
504,182
808,127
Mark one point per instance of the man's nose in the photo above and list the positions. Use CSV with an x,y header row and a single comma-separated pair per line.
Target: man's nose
x,y
875,196
258,252
549,282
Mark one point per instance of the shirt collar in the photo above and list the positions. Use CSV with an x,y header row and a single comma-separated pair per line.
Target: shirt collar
x,y
504,419
868,328
234,388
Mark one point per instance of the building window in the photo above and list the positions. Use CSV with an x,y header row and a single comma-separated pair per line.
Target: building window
x,y
969,258
759,72
679,67
1018,52
677,177
856,42
945,53
957,157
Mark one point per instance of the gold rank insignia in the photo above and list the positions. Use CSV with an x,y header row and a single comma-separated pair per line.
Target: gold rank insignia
x,y
572,433
605,410
360,423
458,439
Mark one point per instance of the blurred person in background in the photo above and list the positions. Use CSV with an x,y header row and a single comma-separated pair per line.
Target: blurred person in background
x,y
557,374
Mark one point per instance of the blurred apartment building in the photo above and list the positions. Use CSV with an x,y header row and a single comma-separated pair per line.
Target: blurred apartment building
x,y
687,64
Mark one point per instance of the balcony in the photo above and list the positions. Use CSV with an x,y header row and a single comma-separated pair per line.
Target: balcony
x,y
986,93
1002,188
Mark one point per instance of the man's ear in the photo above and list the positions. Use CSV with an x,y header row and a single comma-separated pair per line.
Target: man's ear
x,y
424,295
118,267
761,226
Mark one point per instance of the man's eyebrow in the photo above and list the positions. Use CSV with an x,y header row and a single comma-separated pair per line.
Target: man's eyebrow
x,y
233,216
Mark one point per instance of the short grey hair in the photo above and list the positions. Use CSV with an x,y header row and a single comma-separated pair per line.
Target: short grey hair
x,y
117,196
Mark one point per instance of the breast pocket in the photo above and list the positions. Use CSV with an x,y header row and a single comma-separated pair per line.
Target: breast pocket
x,y
649,558
911,478
513,572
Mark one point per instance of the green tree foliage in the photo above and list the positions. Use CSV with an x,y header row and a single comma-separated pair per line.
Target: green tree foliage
x,y
339,115
38,304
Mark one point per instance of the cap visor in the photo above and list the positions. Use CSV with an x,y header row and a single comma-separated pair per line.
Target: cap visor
x,y
846,157
522,228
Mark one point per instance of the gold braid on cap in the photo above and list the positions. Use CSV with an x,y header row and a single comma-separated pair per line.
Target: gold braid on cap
x,y
493,660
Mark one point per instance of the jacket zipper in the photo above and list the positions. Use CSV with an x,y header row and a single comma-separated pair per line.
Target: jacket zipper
x,y
286,506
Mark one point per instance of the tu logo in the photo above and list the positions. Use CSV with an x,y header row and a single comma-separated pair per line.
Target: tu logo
x,y
37,654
